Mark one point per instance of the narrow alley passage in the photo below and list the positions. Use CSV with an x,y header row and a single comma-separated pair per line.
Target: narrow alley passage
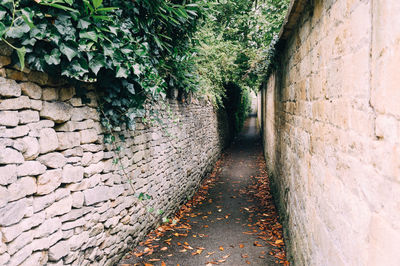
x,y
230,221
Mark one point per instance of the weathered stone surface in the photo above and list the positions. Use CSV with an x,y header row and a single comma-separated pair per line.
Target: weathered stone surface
x,y
11,232
67,140
53,160
21,255
4,60
94,169
36,258
49,181
48,227
10,156
74,224
58,112
14,132
9,88
59,207
77,199
8,174
48,140
40,203
40,78
30,168
22,102
9,118
13,212
59,250
36,105
31,147
66,93
21,241
102,193
28,116
45,243
84,113
88,136
4,258
4,196
72,174
75,125
49,94
22,187
31,90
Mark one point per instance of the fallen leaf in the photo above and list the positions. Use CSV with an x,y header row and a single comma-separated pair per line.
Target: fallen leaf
x,y
163,263
154,260
241,246
221,248
164,248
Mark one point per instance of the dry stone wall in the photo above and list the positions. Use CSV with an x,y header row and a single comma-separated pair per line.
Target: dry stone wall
x,y
330,116
62,199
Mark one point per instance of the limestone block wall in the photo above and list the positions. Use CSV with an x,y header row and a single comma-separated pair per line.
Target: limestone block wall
x,y
330,115
62,199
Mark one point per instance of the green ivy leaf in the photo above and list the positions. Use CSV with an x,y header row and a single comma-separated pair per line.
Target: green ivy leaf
x,y
68,51
21,56
91,35
83,24
18,31
53,58
122,72
96,63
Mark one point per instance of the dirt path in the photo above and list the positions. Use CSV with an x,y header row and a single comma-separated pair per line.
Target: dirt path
x,y
231,221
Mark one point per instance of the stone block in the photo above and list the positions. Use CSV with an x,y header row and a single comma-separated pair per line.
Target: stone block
x,y
21,102
10,156
40,203
8,174
77,199
4,258
88,136
38,77
48,140
36,105
49,181
59,207
28,116
58,112
94,169
67,140
59,250
9,88
31,168
31,90
50,94
4,196
31,147
21,241
72,174
75,125
4,60
11,232
22,187
85,113
13,212
14,132
45,243
36,258
386,127
53,160
21,255
9,118
48,227
66,93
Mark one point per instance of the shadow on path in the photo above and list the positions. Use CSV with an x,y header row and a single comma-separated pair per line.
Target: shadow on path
x,y
229,225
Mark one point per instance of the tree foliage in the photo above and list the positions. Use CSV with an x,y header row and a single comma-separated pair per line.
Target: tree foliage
x,y
139,49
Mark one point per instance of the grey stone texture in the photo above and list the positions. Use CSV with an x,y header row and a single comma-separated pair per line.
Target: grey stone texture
x,y
331,128
62,199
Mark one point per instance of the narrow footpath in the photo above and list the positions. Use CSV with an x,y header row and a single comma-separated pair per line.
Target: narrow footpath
x,y
230,221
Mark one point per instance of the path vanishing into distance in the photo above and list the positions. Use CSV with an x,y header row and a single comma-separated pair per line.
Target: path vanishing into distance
x,y
230,221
